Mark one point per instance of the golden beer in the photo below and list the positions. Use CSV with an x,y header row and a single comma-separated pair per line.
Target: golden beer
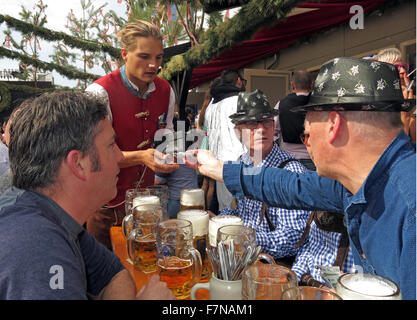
x,y
144,255
192,199
178,275
199,220
141,242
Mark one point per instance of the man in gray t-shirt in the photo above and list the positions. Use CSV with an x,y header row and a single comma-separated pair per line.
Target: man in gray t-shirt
x,y
64,168
182,178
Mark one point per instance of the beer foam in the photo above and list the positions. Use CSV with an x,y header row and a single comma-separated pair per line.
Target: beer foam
x,y
199,219
192,197
373,287
145,200
219,221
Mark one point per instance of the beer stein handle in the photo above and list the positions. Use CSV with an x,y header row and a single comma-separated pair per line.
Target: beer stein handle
x,y
127,224
266,257
197,265
130,245
199,286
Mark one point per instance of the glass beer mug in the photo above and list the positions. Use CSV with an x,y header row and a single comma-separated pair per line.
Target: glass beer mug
x,y
244,239
219,221
266,281
140,198
309,293
199,220
141,241
365,286
192,199
178,262
161,191
130,195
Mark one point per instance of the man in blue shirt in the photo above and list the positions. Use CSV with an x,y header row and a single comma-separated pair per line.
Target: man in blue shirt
x,y
64,161
366,166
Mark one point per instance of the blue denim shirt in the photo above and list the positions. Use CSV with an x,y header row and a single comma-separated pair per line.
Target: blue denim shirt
x,y
380,217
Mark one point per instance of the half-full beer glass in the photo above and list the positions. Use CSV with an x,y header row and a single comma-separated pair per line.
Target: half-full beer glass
x,y
192,199
178,262
266,281
141,242
219,221
199,220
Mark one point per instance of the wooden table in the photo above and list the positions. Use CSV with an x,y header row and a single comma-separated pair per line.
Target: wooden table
x,y
120,249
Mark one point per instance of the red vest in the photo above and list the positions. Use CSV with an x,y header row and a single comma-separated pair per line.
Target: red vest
x,y
135,121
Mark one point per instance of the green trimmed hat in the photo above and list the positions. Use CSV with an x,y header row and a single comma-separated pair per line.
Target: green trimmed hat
x,y
252,106
355,84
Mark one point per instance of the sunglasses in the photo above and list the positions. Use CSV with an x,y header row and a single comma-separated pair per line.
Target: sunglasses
x,y
304,137
253,124
244,81
406,66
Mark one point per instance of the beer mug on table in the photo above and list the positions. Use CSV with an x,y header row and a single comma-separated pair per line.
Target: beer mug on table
x,y
192,199
140,197
365,286
178,262
161,191
244,239
132,194
266,281
141,242
219,221
199,220
309,293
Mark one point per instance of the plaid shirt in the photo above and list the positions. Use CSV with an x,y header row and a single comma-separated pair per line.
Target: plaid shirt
x,y
320,247
289,224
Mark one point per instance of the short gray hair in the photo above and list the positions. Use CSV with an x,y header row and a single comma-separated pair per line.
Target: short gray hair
x,y
390,55
43,133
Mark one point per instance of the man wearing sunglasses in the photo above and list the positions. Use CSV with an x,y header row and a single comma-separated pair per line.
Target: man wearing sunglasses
x,y
366,167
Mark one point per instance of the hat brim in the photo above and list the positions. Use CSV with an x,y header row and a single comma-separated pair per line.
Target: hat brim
x,y
236,117
381,106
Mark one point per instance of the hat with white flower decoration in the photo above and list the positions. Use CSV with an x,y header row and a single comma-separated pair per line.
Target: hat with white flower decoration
x,y
355,84
253,106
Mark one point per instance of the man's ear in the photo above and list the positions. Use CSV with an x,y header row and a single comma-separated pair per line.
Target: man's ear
x,y
77,164
124,53
335,125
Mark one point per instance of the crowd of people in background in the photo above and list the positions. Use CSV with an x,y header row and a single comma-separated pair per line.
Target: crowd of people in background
x,y
324,177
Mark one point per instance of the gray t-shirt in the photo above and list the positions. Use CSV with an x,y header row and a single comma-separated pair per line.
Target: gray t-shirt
x,y
46,254
182,178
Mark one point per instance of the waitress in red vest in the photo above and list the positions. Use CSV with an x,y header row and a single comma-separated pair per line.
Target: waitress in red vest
x,y
136,99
